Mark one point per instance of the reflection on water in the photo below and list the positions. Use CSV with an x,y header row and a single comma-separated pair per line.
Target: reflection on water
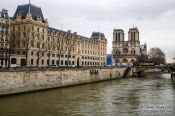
x,y
152,95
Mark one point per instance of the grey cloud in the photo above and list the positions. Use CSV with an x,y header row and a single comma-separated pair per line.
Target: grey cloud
x,y
154,18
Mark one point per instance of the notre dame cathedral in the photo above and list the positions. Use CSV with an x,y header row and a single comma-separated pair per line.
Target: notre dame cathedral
x,y
127,51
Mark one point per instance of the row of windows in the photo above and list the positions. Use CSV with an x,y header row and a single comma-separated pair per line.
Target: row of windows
x,y
53,55
21,28
56,62
91,58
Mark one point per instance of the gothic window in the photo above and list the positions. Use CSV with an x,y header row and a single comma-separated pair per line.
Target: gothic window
x,y
125,51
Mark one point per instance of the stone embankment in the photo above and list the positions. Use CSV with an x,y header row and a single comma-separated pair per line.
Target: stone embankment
x,y
173,77
12,82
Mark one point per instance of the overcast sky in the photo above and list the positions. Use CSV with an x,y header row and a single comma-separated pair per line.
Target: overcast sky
x,y
155,19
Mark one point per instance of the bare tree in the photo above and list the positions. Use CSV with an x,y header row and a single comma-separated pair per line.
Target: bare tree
x,y
142,59
71,43
51,47
61,45
28,39
12,36
41,48
156,56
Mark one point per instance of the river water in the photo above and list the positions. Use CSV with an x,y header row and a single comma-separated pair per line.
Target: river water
x,y
147,96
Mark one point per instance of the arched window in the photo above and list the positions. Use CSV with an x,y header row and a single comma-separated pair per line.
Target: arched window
x,y
125,51
132,61
125,61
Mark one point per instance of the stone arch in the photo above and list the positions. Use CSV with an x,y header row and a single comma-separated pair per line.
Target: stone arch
x,y
23,62
125,60
132,61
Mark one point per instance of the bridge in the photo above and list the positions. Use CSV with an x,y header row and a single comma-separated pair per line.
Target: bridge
x,y
139,70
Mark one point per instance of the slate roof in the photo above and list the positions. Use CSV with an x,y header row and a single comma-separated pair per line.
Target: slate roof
x,y
57,30
24,9
119,30
96,35
134,29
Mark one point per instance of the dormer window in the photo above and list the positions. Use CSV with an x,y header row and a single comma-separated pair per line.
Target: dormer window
x,y
38,18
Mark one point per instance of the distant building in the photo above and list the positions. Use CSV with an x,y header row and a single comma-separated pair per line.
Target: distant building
x,y
127,51
35,43
4,38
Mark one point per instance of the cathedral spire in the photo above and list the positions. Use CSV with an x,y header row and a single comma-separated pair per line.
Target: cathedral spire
x,y
29,6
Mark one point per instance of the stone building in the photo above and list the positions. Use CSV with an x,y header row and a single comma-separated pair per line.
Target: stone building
x,y
35,43
4,38
127,51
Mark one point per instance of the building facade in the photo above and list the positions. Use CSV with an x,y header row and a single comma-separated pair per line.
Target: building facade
x,y
35,43
4,39
127,51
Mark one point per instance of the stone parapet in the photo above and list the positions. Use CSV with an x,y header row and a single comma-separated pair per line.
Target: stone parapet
x,y
26,81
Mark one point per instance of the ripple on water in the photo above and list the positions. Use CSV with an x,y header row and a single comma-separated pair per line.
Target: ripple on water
x,y
111,98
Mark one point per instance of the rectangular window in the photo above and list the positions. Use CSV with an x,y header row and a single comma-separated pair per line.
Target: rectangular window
x,y
31,61
69,62
48,62
42,62
65,62
53,62
57,62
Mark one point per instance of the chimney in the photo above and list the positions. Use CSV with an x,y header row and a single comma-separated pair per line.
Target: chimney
x,y
75,33
69,31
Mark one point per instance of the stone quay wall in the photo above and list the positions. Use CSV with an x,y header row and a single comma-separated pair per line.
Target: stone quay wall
x,y
27,81
173,77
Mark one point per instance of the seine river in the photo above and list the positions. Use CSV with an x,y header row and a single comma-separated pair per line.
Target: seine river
x,y
147,96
